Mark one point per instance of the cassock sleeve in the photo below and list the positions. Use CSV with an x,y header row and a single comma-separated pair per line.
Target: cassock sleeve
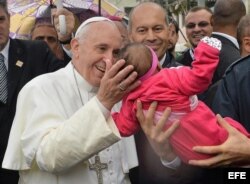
x,y
44,134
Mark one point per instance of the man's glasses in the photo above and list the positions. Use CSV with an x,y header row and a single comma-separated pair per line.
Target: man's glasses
x,y
200,24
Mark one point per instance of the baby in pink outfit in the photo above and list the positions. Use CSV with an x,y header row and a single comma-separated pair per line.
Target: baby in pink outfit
x,y
176,88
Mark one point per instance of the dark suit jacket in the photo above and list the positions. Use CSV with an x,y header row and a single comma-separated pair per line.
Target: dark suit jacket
x,y
232,98
27,59
185,59
228,54
170,61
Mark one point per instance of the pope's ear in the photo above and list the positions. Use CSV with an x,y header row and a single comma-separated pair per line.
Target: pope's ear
x,y
74,45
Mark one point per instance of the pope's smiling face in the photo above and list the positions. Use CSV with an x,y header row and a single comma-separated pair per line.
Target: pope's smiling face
x,y
99,41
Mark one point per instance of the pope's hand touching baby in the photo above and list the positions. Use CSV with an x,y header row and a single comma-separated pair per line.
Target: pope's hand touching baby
x,y
110,91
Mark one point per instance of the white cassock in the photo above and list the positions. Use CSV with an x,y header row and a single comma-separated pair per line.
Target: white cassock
x,y
54,137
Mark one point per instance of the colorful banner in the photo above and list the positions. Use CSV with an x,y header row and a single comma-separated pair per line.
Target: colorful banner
x,y
25,12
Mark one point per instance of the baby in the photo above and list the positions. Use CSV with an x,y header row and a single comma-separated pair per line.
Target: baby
x,y
176,88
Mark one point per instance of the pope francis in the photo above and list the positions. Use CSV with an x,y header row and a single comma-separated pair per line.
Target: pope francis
x,y
63,132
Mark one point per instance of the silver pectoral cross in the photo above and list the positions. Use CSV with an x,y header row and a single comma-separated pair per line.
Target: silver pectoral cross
x,y
98,167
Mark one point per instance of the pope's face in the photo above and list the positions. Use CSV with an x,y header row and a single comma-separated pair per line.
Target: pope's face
x,y
148,26
4,28
102,40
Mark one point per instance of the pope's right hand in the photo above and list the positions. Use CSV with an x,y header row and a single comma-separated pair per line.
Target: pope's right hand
x,y
116,82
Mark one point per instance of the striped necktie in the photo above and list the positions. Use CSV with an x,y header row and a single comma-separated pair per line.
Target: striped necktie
x,y
3,80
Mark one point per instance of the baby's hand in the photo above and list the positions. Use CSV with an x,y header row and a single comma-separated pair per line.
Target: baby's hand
x,y
213,42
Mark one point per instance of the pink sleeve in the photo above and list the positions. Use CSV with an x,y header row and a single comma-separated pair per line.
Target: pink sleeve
x,y
196,79
126,120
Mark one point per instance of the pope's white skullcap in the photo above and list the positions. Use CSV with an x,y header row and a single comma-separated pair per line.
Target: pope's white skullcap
x,y
90,20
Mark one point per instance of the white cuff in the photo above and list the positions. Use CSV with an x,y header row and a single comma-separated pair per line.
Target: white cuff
x,y
104,110
174,164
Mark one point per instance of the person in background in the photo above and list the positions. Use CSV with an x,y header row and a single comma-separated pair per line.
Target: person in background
x,y
123,28
173,36
243,35
66,38
227,15
20,60
198,23
72,115
45,31
148,24
151,28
